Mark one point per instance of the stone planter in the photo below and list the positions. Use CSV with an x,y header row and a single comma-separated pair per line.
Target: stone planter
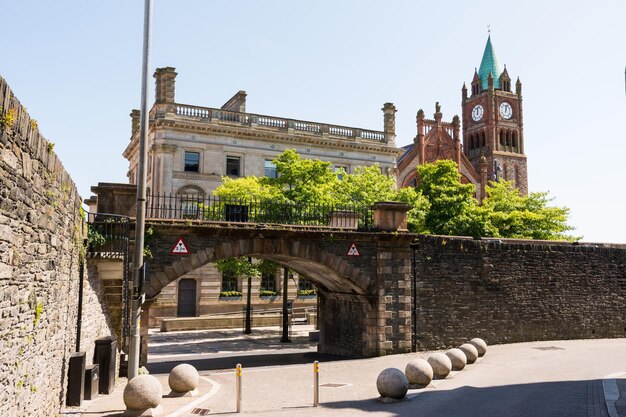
x,y
307,297
236,298
269,297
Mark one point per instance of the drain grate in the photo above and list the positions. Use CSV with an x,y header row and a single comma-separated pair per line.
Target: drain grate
x,y
200,411
333,385
548,348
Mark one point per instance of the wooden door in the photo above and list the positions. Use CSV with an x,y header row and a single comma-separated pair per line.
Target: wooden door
x,y
187,298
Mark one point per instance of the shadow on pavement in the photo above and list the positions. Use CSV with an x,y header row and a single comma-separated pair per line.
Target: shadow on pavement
x,y
247,361
546,399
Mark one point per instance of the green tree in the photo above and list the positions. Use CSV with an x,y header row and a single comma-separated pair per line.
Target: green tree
x,y
304,180
365,186
241,266
416,217
247,188
453,210
525,217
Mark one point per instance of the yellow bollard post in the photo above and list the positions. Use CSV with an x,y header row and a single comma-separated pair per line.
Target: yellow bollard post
x,y
238,386
316,383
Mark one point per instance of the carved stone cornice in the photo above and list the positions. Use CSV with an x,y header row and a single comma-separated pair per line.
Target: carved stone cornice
x,y
164,148
258,132
184,175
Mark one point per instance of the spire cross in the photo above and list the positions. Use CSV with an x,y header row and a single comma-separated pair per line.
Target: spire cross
x,y
489,29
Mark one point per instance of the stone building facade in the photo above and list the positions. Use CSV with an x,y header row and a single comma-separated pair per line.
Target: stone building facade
x,y
191,148
41,251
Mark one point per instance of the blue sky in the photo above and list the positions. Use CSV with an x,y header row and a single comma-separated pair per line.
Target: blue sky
x,y
76,65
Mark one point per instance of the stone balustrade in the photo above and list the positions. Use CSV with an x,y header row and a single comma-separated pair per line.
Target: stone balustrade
x,y
213,115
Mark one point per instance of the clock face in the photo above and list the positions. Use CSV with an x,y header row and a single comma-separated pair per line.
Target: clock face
x,y
506,111
477,112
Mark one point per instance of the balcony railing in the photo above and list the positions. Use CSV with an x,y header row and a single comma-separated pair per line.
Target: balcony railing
x,y
260,211
280,124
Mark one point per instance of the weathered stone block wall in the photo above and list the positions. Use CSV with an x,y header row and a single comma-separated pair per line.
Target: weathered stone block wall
x,y
394,307
40,241
344,325
515,291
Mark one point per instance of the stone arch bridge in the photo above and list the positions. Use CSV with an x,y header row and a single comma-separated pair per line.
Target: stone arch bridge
x,y
364,297
360,296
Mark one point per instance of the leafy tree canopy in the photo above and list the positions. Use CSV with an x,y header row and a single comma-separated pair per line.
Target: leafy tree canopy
x,y
528,217
241,266
442,204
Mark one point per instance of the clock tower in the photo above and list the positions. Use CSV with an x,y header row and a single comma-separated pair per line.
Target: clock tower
x,y
493,123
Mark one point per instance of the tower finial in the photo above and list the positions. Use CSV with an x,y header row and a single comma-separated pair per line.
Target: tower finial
x,y
489,30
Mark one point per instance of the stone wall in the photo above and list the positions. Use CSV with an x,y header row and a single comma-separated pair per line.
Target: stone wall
x,y
515,291
41,238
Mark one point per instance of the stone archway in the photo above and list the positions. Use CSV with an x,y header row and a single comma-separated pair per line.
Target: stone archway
x,y
357,293
325,268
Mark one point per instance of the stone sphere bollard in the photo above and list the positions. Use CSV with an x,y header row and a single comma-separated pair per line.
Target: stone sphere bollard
x,y
458,359
441,365
392,383
143,392
183,378
470,352
419,373
480,345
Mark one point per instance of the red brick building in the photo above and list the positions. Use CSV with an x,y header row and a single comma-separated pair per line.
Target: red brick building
x,y
493,135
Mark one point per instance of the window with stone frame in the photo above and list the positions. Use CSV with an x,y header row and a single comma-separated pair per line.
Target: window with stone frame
x,y
233,166
268,282
341,170
270,169
229,281
304,284
192,161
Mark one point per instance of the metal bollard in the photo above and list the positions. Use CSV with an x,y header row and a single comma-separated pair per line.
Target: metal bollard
x,y
238,386
316,383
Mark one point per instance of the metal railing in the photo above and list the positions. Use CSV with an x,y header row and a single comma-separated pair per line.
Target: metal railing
x,y
249,119
260,211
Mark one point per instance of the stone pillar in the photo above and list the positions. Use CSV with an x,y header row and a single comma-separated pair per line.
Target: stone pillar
x,y
419,119
166,152
345,219
393,269
438,115
389,111
482,167
390,216
164,97
135,117
456,127
116,198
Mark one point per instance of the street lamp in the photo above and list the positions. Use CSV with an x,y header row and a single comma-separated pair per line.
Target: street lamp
x,y
137,298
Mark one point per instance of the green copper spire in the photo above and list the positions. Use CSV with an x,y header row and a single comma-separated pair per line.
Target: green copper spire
x,y
489,64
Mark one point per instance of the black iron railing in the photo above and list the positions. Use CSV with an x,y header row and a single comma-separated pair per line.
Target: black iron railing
x,y
107,233
213,208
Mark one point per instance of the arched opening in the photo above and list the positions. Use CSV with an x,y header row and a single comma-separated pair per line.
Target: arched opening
x,y
188,201
345,302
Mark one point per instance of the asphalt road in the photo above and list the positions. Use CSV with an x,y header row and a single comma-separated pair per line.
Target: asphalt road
x,y
542,379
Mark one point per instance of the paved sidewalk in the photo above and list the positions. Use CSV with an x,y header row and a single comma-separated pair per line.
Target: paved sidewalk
x,y
559,378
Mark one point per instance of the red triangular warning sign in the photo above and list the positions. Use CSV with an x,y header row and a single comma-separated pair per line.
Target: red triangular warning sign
x,y
353,251
180,248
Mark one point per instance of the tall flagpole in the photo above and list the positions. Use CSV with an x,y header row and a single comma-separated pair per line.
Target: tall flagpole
x,y
137,298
